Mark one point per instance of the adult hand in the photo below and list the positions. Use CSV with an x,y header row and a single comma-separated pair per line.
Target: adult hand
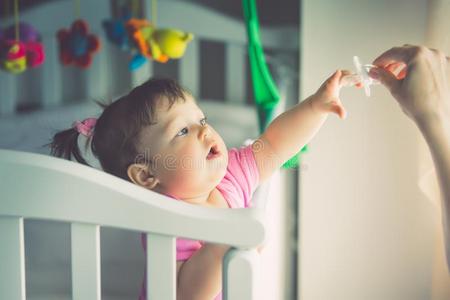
x,y
418,78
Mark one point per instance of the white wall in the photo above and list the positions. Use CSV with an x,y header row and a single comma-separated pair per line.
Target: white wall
x,y
366,231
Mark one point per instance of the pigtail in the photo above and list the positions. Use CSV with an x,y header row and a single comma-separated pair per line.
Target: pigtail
x,y
65,145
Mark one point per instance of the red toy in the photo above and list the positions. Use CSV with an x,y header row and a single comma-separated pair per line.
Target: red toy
x,y
77,45
18,55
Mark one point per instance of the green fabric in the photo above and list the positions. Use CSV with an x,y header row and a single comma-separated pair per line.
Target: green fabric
x,y
265,91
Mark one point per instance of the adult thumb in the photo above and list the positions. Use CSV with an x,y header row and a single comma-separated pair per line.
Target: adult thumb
x,y
385,77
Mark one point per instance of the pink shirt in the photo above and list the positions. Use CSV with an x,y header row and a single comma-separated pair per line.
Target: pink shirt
x,y
237,187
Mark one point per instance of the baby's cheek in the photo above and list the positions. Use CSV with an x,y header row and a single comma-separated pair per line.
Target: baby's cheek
x,y
186,171
183,183
190,158
191,169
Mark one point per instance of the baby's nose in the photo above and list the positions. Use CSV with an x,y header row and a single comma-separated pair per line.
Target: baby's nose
x,y
205,131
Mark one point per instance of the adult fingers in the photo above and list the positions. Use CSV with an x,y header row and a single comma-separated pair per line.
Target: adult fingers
x,y
385,77
398,69
444,59
402,74
395,54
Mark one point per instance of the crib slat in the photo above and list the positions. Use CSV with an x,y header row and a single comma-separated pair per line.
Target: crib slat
x,y
51,72
12,259
235,73
85,261
189,68
240,274
8,93
161,267
95,77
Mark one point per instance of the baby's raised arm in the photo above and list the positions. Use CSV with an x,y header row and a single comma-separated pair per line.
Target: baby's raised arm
x,y
293,129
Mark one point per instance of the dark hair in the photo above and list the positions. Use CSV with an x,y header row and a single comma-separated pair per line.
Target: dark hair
x,y
115,137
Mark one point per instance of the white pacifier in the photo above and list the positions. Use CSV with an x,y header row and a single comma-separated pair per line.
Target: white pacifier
x,y
361,76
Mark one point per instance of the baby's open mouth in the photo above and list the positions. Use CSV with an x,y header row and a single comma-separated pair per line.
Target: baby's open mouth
x,y
213,152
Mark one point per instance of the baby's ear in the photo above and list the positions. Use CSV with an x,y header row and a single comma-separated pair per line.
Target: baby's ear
x,y
141,175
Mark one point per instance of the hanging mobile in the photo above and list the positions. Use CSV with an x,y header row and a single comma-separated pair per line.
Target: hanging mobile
x,y
77,45
20,45
151,42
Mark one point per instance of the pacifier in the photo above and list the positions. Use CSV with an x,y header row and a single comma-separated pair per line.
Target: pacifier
x,y
361,76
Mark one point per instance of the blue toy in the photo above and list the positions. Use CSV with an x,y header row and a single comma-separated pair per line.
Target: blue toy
x,y
116,32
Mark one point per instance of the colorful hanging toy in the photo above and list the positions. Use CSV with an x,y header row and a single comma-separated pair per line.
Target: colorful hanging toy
x,y
116,32
76,45
20,46
143,38
157,44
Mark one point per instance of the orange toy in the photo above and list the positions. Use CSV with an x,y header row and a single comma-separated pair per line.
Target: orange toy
x,y
141,31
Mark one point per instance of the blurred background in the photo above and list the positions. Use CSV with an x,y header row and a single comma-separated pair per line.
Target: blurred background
x,y
358,219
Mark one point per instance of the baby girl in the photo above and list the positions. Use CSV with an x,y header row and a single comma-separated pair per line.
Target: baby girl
x,y
157,137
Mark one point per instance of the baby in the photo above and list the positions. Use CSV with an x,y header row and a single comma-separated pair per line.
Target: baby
x,y
157,137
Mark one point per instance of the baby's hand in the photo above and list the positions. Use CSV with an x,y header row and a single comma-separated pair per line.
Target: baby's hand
x,y
326,99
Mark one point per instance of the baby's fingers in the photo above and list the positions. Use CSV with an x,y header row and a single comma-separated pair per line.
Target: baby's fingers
x,y
338,76
331,83
349,79
345,73
334,78
338,109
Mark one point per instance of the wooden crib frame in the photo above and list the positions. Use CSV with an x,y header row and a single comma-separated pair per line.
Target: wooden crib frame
x,y
42,187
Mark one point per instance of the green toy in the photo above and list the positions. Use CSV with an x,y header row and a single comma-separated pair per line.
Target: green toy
x,y
266,93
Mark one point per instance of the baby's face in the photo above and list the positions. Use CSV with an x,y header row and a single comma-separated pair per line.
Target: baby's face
x,y
190,157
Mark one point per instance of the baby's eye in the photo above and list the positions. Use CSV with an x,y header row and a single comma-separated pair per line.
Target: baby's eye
x,y
203,121
182,131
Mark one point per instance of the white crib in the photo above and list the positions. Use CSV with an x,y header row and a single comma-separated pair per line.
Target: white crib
x,y
33,185
42,187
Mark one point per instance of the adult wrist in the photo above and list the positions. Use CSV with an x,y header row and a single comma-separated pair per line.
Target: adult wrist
x,y
434,126
426,121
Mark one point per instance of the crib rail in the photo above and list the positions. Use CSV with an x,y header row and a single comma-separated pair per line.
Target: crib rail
x,y
43,187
